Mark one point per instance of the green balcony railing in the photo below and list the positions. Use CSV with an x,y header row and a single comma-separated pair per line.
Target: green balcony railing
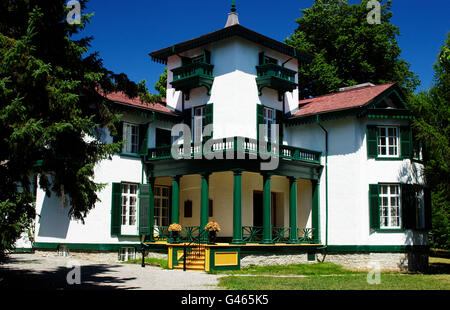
x,y
254,234
235,145
305,235
274,70
191,70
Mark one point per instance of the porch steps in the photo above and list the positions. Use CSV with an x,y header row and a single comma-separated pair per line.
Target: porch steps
x,y
195,261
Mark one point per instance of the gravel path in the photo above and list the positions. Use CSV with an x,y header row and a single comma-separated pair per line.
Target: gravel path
x,y
31,271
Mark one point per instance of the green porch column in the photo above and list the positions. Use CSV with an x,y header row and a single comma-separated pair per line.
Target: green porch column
x,y
316,211
176,199
267,210
204,200
237,208
293,234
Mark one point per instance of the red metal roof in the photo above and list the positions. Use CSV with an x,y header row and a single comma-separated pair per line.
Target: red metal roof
x,y
340,101
121,97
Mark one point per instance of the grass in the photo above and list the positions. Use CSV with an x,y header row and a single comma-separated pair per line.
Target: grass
x,y
388,281
299,269
157,262
327,276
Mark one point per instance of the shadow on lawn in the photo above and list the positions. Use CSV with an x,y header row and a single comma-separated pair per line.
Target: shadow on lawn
x,y
438,268
91,278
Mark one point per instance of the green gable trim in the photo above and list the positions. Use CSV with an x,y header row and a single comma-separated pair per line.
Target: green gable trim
x,y
87,246
369,110
161,56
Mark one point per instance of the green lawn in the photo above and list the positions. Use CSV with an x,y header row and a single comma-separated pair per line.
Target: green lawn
x,y
388,281
327,276
299,269
158,262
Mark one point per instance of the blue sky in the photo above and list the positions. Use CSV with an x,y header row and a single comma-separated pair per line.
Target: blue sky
x,y
126,31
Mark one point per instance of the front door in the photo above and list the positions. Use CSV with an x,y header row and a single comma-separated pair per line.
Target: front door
x,y
258,209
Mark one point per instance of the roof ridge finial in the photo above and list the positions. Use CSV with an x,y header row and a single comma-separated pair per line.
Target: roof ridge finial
x,y
233,6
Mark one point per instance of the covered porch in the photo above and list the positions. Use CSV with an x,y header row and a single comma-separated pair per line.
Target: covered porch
x,y
252,207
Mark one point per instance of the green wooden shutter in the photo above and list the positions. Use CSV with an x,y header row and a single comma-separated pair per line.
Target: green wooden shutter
x,y
405,142
427,204
119,136
409,206
207,56
187,118
280,126
145,203
372,141
262,56
116,208
259,118
374,206
208,117
143,140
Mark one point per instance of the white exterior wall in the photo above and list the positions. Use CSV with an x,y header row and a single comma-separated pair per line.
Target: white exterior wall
x,y
234,91
350,172
52,222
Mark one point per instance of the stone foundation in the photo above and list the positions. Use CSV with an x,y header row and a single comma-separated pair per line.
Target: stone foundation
x,y
411,261
110,257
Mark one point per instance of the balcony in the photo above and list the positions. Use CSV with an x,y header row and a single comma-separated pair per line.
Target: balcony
x,y
275,77
191,76
237,147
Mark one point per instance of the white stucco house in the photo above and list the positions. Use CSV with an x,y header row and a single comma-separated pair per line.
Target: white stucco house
x,y
339,180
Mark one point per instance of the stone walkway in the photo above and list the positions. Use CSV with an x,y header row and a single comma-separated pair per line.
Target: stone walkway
x,y
33,271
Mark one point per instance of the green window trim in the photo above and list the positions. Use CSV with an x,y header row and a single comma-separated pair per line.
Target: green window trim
x,y
129,155
405,145
408,205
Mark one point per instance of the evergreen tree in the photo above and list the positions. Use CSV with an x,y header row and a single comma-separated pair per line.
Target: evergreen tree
x,y
432,114
52,112
347,49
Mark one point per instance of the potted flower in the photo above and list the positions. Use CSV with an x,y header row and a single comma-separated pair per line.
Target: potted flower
x,y
175,229
212,228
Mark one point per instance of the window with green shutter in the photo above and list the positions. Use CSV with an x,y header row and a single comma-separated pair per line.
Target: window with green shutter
x,y
259,118
374,206
389,142
116,209
280,127
372,141
209,117
145,208
119,136
406,145
143,139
